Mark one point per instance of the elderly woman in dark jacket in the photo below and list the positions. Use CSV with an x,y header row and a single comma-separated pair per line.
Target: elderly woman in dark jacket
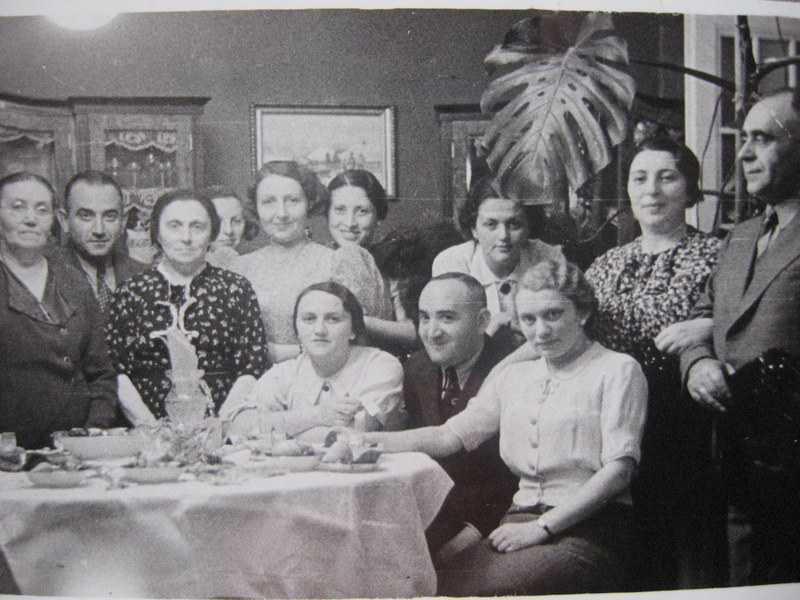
x,y
55,372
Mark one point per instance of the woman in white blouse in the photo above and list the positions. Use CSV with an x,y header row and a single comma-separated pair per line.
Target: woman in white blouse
x,y
334,380
499,252
570,426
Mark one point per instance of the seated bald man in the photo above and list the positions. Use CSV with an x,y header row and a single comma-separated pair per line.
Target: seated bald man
x,y
439,382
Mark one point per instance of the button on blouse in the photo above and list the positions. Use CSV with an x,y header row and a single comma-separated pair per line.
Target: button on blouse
x,y
559,429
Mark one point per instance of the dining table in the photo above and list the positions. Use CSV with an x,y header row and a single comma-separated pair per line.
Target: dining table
x,y
247,533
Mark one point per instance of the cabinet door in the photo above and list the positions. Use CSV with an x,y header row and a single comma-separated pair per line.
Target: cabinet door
x,y
37,139
460,132
148,154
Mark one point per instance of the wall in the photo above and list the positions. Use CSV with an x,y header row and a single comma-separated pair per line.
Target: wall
x,y
411,59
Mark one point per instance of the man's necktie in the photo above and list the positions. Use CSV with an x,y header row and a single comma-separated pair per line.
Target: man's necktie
x,y
765,237
103,291
450,387
768,227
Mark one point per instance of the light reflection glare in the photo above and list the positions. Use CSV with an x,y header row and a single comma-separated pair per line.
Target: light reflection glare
x,y
81,22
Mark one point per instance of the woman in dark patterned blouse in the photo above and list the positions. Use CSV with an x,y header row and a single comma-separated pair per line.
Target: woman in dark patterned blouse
x,y
218,305
645,291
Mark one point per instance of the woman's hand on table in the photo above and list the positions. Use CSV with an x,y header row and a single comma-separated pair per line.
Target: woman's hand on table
x,y
678,337
516,536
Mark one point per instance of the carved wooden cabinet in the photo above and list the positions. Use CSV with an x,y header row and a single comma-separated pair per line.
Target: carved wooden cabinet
x,y
149,145
37,136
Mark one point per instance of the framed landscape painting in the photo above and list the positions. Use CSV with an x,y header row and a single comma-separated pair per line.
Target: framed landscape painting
x,y
327,139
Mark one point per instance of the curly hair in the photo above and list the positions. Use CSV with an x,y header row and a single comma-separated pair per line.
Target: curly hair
x,y
315,193
567,279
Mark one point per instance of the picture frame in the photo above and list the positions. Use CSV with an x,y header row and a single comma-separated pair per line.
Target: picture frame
x,y
327,139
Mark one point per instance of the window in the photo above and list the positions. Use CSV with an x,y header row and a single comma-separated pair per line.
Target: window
x,y
710,45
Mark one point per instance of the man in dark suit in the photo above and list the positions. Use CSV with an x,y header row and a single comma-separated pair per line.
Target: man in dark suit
x,y
754,299
93,218
439,381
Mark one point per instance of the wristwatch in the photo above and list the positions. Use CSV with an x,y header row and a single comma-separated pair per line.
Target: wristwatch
x,y
543,524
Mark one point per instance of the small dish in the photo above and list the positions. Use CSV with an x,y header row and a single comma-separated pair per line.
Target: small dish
x,y
99,447
58,478
151,475
294,464
337,467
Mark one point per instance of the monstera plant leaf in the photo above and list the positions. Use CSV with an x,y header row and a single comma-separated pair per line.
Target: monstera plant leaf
x,y
559,104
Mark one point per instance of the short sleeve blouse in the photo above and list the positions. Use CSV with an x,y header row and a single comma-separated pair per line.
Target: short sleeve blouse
x,y
372,377
557,430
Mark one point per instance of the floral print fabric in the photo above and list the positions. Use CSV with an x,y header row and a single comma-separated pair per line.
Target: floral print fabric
x,y
640,294
230,342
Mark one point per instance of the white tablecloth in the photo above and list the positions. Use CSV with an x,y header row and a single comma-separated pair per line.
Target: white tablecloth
x,y
299,535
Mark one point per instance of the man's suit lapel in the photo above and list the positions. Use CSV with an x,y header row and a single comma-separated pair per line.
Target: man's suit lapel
x,y
744,241
784,250
428,391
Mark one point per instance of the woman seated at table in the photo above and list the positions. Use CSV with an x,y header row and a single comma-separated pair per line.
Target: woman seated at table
x,y
234,225
570,425
499,252
55,372
356,206
285,194
334,380
216,308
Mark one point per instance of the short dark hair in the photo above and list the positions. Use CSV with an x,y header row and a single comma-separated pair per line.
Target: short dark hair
x,y
315,193
90,177
483,189
565,278
474,287
20,176
366,181
173,196
349,302
219,191
685,162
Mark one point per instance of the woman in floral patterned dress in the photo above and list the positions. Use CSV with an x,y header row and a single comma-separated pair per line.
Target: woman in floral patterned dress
x,y
645,291
218,310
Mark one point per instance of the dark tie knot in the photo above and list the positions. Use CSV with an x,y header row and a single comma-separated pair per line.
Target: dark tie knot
x,y
505,288
770,220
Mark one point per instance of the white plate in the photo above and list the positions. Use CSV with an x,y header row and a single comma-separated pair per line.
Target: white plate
x,y
58,478
152,474
338,467
284,463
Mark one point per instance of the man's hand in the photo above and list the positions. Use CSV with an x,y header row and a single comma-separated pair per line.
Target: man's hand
x,y
707,384
678,337
498,320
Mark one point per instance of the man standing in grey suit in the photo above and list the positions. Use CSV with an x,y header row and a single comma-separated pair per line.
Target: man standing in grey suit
x,y
754,299
93,218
